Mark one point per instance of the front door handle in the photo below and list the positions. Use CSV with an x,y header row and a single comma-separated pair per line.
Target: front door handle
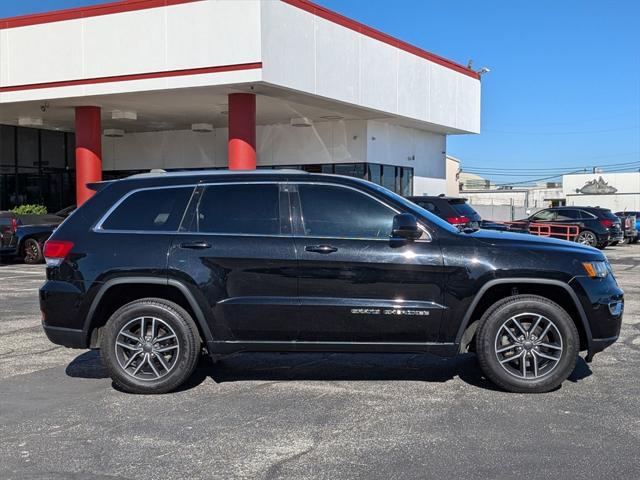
x,y
320,248
195,245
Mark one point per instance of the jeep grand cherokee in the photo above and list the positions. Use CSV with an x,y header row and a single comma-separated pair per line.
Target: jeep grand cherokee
x,y
157,266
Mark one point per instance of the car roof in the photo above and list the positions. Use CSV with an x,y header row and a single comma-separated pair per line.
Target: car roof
x,y
436,197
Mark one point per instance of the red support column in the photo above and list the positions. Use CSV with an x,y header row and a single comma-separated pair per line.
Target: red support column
x,y
88,151
242,131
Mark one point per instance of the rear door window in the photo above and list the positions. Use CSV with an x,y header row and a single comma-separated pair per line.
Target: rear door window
x,y
152,210
567,214
240,209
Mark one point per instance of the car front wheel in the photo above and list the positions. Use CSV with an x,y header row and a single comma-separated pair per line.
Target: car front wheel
x,y
150,346
527,343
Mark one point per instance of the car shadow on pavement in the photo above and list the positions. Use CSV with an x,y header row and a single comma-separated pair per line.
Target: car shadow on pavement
x,y
324,367
87,365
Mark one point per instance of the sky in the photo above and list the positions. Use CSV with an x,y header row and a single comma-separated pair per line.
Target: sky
x,y
564,88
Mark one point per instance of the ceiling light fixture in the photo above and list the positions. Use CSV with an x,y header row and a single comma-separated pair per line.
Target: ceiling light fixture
x,y
113,132
301,122
202,127
128,115
332,117
30,121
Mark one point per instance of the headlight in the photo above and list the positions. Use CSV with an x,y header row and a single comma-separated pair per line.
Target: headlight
x,y
596,269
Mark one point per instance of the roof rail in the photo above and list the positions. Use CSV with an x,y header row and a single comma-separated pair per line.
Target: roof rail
x,y
188,173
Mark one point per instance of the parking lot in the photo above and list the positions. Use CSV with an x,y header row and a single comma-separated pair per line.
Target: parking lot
x,y
311,415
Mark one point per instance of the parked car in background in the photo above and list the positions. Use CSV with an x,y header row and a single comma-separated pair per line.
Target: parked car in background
x,y
456,211
23,236
598,227
157,266
631,222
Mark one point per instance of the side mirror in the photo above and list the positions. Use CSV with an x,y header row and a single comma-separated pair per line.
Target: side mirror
x,y
405,226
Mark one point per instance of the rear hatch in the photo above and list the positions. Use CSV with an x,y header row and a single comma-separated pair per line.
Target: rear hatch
x,y
611,221
465,211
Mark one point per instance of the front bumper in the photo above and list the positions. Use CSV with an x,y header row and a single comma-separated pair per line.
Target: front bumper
x,y
603,303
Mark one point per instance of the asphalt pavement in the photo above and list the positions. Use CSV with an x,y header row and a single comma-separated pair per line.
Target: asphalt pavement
x,y
330,416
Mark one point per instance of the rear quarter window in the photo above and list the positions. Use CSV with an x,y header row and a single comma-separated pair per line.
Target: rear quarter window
x,y
158,210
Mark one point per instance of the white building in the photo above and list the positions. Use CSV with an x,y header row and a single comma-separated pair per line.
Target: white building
x,y
616,191
112,89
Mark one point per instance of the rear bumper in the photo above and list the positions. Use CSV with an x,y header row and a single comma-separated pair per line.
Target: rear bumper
x,y
67,337
62,313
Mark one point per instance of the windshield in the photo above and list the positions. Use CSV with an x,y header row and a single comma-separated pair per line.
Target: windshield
x,y
417,209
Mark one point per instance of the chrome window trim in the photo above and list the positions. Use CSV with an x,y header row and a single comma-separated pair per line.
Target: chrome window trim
x,y
97,228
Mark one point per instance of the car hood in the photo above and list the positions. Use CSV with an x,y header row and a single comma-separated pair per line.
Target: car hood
x,y
494,237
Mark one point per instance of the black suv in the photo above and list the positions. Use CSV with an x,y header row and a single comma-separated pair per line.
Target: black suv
x,y
597,227
157,266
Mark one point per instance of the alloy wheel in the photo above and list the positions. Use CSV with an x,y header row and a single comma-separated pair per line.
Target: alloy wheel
x,y
147,348
528,346
587,238
31,250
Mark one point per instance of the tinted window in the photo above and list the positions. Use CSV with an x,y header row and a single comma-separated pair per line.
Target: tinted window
x,y
150,210
427,205
568,214
244,209
464,209
341,212
544,215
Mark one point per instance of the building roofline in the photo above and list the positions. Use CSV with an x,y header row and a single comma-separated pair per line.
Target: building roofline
x,y
363,29
84,12
306,5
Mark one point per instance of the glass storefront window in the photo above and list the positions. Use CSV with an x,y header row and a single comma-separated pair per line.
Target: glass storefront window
x,y
389,177
28,151
52,150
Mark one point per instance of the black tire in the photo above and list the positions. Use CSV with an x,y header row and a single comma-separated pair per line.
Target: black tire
x,y
487,341
187,340
614,243
32,252
635,239
587,237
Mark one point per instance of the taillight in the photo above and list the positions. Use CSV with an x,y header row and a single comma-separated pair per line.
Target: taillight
x,y
14,225
457,220
55,251
606,223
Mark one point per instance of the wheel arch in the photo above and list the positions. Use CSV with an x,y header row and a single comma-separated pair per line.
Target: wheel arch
x,y
494,290
116,292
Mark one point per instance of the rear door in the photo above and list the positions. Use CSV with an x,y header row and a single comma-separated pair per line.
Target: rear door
x,y
236,251
356,285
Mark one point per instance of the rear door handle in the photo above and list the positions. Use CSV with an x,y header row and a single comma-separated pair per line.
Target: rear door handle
x,y
195,245
320,248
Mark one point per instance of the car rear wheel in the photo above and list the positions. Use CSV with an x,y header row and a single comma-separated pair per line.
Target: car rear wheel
x,y
32,252
587,237
150,346
527,343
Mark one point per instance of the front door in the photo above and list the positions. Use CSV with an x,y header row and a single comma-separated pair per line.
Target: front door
x,y
236,250
355,284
